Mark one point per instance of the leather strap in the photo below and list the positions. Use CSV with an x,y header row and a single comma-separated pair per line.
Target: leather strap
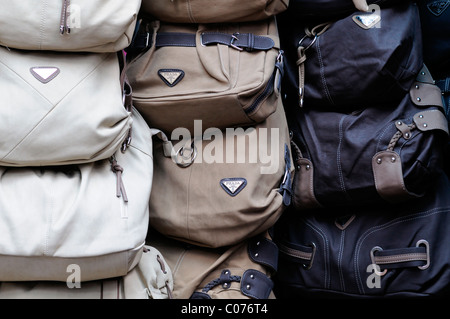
x,y
263,251
255,284
418,256
244,41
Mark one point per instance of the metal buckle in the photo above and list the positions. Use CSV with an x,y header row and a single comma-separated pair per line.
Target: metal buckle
x,y
310,45
233,39
186,160
372,258
308,267
427,248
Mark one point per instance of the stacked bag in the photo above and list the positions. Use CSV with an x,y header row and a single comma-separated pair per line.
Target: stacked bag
x,y
207,78
370,208
76,157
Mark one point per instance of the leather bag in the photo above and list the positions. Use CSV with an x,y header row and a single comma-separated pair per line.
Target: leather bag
x,y
382,251
62,108
226,75
68,25
93,216
219,188
362,59
391,153
203,11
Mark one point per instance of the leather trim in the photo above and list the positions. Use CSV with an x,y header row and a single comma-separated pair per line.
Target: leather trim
x,y
426,94
388,176
431,120
255,284
263,251
303,194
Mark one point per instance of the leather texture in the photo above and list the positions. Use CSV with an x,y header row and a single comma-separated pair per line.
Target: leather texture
x,y
61,108
189,74
95,25
94,215
202,11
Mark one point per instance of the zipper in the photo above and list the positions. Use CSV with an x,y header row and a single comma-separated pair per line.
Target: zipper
x,y
64,27
268,90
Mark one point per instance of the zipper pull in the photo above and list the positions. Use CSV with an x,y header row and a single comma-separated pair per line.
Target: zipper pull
x,y
118,170
63,26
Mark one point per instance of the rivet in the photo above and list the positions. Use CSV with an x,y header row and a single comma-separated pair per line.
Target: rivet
x,y
425,125
308,167
392,159
419,99
226,272
399,123
252,276
423,73
257,244
298,167
421,116
407,135
417,86
225,284
248,287
379,160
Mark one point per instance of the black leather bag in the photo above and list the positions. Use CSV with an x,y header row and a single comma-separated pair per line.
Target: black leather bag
x,y
355,61
378,251
435,19
384,153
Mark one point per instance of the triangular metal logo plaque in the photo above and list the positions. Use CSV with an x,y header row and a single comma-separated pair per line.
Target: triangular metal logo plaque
x,y
171,76
45,74
438,7
366,21
233,186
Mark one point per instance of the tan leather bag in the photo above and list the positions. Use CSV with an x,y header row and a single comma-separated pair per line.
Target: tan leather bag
x,y
221,188
68,25
217,11
223,74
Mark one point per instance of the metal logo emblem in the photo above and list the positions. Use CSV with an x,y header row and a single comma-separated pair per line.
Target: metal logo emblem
x,y
438,7
45,74
366,21
233,186
171,76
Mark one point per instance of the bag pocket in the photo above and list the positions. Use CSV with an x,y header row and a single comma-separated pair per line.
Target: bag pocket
x,y
225,75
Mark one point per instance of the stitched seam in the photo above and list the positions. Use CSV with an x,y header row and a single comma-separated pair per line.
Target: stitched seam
x,y
322,72
341,250
381,227
341,176
321,233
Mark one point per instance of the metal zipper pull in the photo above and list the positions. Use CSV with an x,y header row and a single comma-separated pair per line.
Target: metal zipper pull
x,y
64,26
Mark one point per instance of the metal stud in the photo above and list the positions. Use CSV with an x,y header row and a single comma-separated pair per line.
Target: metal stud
x,y
417,86
393,159
421,116
308,167
248,287
252,276
407,135
399,123
379,160
256,255
425,125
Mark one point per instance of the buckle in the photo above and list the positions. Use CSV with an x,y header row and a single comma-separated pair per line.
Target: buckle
x,y
233,39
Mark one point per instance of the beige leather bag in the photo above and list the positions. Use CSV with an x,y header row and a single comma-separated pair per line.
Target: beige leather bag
x,y
68,25
150,279
223,74
61,108
92,217
217,11
223,187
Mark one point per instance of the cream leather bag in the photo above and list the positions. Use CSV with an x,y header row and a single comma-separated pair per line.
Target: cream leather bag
x,y
61,108
68,25
88,221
